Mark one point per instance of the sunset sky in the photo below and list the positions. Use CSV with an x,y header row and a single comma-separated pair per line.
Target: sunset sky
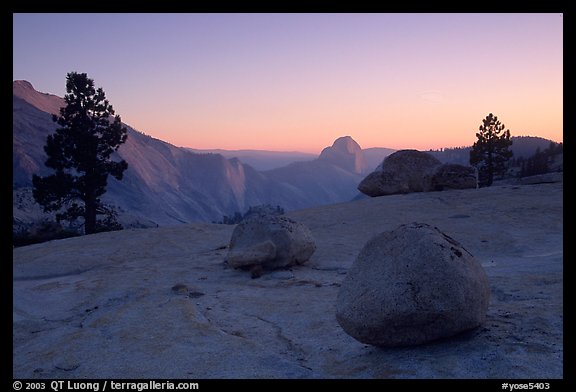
x,y
299,81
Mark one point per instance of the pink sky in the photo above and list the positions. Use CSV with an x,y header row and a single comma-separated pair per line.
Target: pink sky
x,y
299,81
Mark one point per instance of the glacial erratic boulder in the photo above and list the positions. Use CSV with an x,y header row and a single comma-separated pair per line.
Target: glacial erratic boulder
x,y
269,242
407,171
412,285
404,171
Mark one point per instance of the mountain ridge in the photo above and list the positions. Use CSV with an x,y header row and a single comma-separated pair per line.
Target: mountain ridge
x,y
45,102
260,160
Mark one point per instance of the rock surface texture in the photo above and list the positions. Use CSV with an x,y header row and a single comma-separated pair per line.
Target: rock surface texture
x,y
162,304
408,171
412,285
270,241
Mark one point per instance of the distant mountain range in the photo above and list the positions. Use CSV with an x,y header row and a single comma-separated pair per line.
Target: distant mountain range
x,y
165,184
261,159
522,147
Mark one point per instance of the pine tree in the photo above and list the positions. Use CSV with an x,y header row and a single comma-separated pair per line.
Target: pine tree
x,y
79,153
491,151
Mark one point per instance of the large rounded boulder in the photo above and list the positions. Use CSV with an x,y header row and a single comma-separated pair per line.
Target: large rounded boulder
x,y
404,171
412,285
270,242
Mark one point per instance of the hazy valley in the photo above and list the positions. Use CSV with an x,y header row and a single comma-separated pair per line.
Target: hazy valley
x,y
170,185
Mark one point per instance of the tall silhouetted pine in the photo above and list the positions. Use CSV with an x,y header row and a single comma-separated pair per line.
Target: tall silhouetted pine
x,y
491,151
79,153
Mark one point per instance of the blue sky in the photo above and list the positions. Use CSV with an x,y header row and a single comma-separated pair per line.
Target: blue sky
x,y
298,81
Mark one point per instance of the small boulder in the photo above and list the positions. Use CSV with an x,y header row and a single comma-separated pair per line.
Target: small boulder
x,y
270,242
404,171
412,285
454,176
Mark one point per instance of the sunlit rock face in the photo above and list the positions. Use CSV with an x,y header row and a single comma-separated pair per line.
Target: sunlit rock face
x,y
347,154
